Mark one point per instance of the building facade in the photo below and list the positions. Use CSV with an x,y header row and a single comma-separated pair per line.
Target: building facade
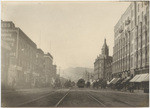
x,y
22,54
142,38
39,75
54,71
130,51
102,64
28,66
48,68
5,51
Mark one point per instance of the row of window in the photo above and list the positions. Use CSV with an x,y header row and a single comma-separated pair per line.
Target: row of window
x,y
25,64
26,49
122,42
142,63
120,54
122,26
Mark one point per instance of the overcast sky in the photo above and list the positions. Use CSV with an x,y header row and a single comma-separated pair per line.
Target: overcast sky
x,y
73,32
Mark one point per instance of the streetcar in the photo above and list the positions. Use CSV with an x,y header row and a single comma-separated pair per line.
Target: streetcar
x,y
81,83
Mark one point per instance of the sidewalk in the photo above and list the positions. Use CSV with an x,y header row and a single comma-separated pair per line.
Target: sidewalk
x,y
15,97
27,90
116,91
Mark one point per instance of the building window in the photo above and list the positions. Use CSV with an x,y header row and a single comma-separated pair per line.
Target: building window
x,y
145,19
131,24
131,13
142,16
147,10
131,62
138,19
138,7
131,36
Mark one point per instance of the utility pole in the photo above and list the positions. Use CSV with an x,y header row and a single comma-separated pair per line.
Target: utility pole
x,y
59,71
98,69
88,77
50,46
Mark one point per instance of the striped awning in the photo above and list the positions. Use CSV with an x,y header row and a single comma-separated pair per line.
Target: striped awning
x,y
135,78
142,77
125,80
146,79
111,81
116,80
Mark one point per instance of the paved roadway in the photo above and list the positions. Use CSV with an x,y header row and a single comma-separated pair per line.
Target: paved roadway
x,y
74,98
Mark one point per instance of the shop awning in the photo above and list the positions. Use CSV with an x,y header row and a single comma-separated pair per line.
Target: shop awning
x,y
135,78
119,81
125,80
111,81
142,77
146,79
116,80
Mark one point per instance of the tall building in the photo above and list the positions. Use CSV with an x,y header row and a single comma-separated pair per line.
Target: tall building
x,y
142,38
26,66
102,64
22,55
131,42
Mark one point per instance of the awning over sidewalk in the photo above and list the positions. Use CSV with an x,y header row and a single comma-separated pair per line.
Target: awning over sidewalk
x,y
111,81
125,80
146,79
116,80
135,78
140,78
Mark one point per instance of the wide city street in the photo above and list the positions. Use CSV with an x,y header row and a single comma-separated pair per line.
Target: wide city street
x,y
74,97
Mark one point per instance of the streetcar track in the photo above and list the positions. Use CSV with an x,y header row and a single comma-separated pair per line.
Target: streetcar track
x,y
123,102
89,94
92,97
33,100
117,100
60,101
43,96
114,99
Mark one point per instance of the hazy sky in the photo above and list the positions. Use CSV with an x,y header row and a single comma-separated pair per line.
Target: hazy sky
x,y
73,32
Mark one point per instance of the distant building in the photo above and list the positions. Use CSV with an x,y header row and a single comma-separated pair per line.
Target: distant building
x,y
22,54
131,41
48,68
39,77
54,70
102,64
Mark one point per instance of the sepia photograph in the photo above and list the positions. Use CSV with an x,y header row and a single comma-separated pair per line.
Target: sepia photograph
x,y
75,53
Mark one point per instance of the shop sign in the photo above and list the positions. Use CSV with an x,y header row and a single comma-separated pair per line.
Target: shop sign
x,y
11,40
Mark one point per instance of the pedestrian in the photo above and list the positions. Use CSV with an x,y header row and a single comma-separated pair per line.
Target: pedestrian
x,y
132,89
97,85
93,85
129,87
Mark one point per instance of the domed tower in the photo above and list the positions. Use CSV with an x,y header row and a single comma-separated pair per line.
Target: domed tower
x,y
105,50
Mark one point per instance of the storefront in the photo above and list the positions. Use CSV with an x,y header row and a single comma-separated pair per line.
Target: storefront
x,y
140,81
125,83
142,71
